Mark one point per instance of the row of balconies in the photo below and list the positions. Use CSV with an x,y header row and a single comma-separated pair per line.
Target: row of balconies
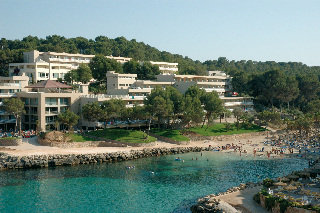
x,y
168,68
238,103
70,60
10,84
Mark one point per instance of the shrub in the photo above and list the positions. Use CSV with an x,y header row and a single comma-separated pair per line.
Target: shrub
x,y
264,192
284,204
270,202
267,182
256,198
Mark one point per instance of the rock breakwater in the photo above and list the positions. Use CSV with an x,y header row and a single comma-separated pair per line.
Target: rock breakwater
x,y
42,161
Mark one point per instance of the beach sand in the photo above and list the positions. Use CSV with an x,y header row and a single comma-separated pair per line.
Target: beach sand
x,y
30,146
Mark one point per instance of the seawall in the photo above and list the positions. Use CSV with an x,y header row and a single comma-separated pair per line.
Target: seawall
x,y
40,161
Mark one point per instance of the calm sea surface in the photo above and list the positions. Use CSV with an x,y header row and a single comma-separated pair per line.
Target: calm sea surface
x,y
157,184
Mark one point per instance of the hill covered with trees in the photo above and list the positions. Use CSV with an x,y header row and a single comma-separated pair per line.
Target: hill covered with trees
x,y
12,51
279,84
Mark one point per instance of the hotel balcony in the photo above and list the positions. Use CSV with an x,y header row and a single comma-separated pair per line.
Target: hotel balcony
x,y
69,60
238,103
8,95
10,84
168,69
214,89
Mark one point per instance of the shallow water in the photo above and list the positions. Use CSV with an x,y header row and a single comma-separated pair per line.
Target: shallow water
x,y
172,187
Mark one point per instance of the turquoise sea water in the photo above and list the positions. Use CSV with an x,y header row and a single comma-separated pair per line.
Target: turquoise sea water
x,y
172,187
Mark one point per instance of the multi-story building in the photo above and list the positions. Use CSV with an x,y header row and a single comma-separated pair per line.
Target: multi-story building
x,y
45,100
166,67
126,85
41,66
9,87
220,84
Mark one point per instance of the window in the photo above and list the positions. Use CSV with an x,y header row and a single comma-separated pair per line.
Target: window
x,y
33,118
34,110
33,101
63,109
42,75
55,75
26,101
50,119
51,101
26,109
51,110
64,101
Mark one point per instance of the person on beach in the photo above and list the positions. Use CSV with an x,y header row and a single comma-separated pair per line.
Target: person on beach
x,y
268,154
254,152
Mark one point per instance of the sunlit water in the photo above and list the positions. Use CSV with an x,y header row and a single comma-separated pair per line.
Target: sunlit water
x,y
172,187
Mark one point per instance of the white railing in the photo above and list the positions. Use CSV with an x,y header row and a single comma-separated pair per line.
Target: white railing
x,y
51,112
237,103
169,69
104,96
7,95
214,89
69,60
10,84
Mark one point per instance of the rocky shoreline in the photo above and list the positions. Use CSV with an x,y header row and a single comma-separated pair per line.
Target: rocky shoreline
x,y
210,203
43,161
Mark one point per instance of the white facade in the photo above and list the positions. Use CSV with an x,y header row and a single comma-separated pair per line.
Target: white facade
x,y
220,84
127,85
166,67
41,66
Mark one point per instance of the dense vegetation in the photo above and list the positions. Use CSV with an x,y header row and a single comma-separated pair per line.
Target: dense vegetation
x,y
12,51
291,87
167,107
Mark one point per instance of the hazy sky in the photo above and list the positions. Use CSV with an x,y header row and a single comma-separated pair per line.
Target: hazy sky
x,y
261,30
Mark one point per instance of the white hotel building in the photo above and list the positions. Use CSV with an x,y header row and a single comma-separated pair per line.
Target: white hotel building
x,y
40,66
166,67
129,88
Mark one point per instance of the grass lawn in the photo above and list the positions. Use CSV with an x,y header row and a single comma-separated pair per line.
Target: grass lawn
x,y
219,129
129,136
173,134
79,138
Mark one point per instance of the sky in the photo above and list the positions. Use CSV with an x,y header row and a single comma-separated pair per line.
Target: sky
x,y
258,30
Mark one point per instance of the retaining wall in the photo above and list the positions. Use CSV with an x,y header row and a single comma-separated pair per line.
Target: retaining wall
x,y
38,161
10,142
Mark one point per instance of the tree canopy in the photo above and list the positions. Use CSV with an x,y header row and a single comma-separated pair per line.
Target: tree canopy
x,y
11,51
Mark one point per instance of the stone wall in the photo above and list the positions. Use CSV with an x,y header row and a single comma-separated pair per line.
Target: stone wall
x,y
210,203
38,161
10,142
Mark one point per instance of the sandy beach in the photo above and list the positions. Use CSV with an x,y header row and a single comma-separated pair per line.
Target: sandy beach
x,y
30,146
